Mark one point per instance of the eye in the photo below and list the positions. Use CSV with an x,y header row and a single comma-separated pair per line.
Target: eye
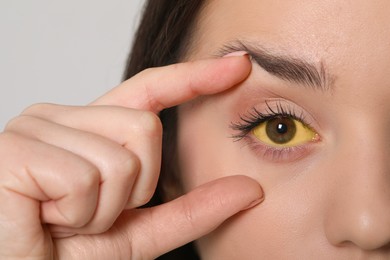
x,y
283,131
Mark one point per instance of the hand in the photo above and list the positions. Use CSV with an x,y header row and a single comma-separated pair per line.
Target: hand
x,y
67,174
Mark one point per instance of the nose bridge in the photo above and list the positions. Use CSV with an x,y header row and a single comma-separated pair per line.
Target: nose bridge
x,y
359,212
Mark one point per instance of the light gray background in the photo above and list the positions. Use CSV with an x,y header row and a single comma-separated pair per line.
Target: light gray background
x,y
66,52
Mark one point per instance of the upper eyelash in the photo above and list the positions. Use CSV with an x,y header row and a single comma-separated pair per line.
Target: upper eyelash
x,y
255,117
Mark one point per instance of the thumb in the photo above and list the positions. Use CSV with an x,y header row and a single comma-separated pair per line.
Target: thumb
x,y
155,231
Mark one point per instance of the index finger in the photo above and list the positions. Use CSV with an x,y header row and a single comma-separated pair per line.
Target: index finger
x,y
158,88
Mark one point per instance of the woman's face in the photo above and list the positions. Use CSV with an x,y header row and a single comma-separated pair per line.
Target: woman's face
x,y
311,124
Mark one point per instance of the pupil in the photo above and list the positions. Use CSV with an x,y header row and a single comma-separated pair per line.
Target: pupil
x,y
281,130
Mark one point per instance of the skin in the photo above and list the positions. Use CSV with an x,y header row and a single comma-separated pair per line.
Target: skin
x,y
67,175
71,177
331,202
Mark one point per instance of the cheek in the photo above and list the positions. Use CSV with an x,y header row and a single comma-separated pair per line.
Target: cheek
x,y
286,225
289,223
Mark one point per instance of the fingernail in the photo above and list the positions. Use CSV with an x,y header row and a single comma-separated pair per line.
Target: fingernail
x,y
254,203
236,54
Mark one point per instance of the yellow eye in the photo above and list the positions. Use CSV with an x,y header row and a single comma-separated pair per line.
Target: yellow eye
x,y
284,131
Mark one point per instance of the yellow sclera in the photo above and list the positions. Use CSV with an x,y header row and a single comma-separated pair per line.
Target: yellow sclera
x,y
302,134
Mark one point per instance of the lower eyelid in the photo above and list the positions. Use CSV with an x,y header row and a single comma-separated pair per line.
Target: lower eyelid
x,y
277,154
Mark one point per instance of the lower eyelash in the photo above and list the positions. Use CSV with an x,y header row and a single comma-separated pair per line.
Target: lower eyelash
x,y
274,154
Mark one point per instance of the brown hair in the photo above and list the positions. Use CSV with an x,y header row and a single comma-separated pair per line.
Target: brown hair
x,y
162,39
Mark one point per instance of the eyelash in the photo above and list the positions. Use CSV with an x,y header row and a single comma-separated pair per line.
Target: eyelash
x,y
255,118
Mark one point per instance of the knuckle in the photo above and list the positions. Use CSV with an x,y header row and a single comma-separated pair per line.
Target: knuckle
x,y
11,124
150,124
87,181
19,122
11,141
126,167
83,188
12,149
8,140
36,108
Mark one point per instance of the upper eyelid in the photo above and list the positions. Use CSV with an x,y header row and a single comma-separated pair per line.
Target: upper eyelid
x,y
303,112
247,120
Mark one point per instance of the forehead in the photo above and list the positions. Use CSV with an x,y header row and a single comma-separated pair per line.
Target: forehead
x,y
308,27
352,37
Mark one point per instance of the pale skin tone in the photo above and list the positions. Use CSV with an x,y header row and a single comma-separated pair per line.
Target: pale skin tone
x,y
71,177
327,199
330,198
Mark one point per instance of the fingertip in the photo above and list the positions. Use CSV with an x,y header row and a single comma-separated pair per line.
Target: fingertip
x,y
233,193
236,54
248,187
235,69
241,59
254,203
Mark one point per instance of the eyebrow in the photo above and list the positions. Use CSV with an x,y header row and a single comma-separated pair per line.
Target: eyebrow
x,y
285,67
